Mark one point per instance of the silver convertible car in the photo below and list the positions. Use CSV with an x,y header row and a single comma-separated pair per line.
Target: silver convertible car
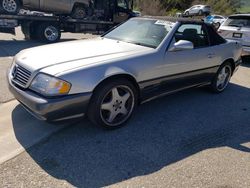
x,y
107,77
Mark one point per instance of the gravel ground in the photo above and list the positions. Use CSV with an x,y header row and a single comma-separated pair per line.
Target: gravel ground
x,y
190,139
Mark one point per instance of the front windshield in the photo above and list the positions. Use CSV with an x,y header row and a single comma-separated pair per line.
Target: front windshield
x,y
144,32
238,22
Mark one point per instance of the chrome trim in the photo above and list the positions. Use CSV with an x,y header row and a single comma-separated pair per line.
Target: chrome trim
x,y
20,76
174,91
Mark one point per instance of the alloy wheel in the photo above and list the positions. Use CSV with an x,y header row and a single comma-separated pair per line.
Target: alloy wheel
x,y
51,33
223,78
117,105
9,5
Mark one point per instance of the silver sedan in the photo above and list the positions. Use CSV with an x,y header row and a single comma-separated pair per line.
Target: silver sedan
x,y
107,77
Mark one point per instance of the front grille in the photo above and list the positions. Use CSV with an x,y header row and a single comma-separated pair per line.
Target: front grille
x,y
21,75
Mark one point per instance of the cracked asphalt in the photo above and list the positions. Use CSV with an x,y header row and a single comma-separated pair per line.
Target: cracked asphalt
x,y
190,139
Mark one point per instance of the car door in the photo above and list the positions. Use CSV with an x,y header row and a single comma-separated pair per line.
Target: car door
x,y
58,6
185,68
121,13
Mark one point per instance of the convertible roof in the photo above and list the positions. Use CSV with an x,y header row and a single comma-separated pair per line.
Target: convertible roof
x,y
174,19
240,16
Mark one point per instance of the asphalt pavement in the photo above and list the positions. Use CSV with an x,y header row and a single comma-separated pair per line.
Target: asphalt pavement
x,y
190,139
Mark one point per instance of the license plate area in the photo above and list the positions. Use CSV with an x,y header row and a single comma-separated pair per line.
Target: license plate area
x,y
237,35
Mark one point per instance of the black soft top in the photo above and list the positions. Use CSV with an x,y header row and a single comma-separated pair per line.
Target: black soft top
x,y
239,16
174,19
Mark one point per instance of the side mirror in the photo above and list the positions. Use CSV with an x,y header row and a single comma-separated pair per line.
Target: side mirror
x,y
182,45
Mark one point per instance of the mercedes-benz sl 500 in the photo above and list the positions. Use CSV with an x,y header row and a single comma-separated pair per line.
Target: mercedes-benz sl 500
x,y
107,77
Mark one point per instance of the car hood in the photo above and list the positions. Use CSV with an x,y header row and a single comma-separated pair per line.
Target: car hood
x,y
74,54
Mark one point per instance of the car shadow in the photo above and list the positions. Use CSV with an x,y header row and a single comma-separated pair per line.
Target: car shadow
x,y
161,132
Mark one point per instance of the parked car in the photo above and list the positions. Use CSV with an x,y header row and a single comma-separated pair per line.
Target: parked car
x,y
198,10
107,77
217,20
237,27
76,8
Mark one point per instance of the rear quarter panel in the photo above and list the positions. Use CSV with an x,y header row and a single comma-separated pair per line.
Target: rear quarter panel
x,y
230,50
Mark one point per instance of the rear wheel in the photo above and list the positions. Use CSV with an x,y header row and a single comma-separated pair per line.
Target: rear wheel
x,y
113,104
79,12
48,32
11,6
222,78
29,32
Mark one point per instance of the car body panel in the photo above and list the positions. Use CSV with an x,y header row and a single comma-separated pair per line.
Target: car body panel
x,y
57,6
85,52
241,34
85,64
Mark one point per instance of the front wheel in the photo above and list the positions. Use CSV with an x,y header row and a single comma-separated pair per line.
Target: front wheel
x,y
222,78
113,103
11,6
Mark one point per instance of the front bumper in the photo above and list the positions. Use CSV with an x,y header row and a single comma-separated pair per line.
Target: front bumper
x,y
51,109
246,51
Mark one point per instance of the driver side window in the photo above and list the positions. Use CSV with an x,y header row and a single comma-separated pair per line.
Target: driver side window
x,y
194,33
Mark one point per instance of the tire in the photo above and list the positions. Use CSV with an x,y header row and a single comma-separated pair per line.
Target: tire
x,y
79,12
11,6
222,78
113,103
29,32
48,32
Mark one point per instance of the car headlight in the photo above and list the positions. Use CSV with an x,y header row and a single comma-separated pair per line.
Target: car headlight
x,y
49,85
